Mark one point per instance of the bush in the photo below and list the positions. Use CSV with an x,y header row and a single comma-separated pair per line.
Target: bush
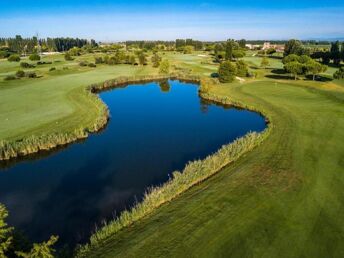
x,y
98,60
339,75
52,69
164,67
14,58
227,72
26,65
34,57
31,75
68,57
242,68
43,63
10,78
92,65
20,74
4,54
83,63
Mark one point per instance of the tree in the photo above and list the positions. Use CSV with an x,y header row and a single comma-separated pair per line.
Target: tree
x,y
291,58
294,68
156,59
293,46
227,71
238,54
218,48
132,60
271,51
34,57
335,53
304,59
230,45
342,52
242,43
314,68
188,49
14,58
339,75
265,62
242,68
142,58
68,57
5,232
43,250
164,67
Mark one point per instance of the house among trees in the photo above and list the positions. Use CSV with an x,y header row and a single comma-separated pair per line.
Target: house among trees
x,y
252,47
268,45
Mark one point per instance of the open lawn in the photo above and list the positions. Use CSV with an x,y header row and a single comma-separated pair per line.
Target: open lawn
x,y
283,199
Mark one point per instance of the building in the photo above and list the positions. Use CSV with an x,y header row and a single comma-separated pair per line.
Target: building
x,y
268,45
252,47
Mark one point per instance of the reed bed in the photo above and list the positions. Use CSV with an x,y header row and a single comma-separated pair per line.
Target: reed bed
x,y
194,173
35,143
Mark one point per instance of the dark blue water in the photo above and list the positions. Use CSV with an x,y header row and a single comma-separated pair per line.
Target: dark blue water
x,y
154,129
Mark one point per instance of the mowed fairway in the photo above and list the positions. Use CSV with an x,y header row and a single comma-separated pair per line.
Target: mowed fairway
x,y
284,199
54,103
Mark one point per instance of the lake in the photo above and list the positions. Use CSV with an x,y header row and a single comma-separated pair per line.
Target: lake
x,y
154,129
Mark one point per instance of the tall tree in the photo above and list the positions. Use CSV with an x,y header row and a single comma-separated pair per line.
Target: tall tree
x,y
293,46
230,46
314,68
242,43
156,59
335,53
164,67
295,68
227,71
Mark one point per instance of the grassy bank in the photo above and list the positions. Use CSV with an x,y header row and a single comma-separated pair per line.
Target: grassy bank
x,y
282,199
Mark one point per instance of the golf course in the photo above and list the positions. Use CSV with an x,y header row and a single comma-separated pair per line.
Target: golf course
x,y
280,197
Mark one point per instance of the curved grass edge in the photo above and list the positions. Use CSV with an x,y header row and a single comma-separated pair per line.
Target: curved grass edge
x,y
194,173
44,142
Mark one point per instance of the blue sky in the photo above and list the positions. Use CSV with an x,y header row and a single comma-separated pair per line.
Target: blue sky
x,y
205,20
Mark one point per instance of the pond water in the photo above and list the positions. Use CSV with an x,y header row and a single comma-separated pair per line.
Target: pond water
x,y
155,129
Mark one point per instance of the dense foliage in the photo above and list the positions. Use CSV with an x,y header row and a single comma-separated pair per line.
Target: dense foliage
x,y
227,71
10,246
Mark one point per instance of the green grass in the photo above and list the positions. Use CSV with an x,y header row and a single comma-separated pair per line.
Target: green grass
x,y
283,199
53,103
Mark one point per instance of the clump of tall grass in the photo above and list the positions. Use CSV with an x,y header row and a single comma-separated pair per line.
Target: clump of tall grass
x,y
33,144
124,81
194,173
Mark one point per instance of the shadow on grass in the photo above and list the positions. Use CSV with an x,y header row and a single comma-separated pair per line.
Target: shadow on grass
x,y
319,78
279,77
278,71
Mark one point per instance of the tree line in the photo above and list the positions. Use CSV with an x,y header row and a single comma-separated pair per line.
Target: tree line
x,y
23,46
